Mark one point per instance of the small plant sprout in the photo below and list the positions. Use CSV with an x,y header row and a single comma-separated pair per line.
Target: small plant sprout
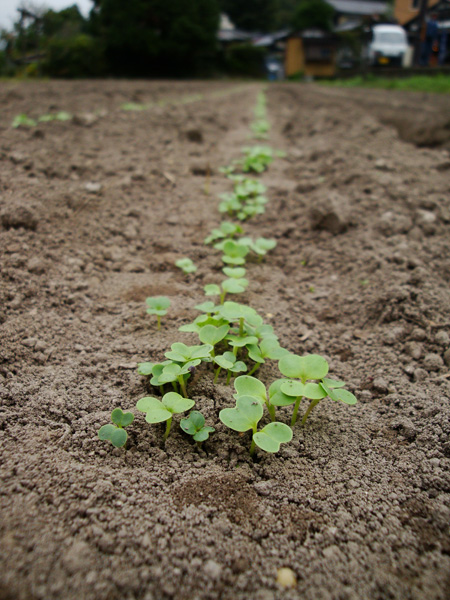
x,y
159,411
116,433
194,425
211,335
260,246
186,265
307,368
228,361
228,286
225,230
234,253
245,385
23,120
157,305
257,158
246,416
185,359
260,129
267,348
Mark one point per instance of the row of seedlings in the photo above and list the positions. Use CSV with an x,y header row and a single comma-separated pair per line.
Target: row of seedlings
x,y
233,337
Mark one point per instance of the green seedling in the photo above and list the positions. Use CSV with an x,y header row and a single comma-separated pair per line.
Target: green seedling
x,y
307,368
234,253
186,265
116,433
159,411
228,170
228,361
228,286
246,416
267,348
157,305
23,120
46,118
194,425
225,230
245,385
206,307
260,129
203,320
133,106
230,203
234,272
63,116
257,158
260,246
212,335
186,358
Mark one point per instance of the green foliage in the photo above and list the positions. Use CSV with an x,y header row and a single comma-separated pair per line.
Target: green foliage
x,y
77,56
157,305
186,265
115,433
257,158
252,15
225,230
159,411
194,425
270,437
246,416
244,59
313,14
152,37
437,84
23,120
307,368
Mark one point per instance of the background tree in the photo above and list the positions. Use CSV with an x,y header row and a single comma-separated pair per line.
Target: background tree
x,y
157,37
252,15
313,13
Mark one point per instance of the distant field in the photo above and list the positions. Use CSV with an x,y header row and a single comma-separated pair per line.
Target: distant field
x,y
438,84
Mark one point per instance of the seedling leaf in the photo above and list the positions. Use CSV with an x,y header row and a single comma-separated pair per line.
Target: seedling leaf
x,y
245,385
244,416
272,436
311,366
277,396
212,335
120,418
145,368
119,437
105,432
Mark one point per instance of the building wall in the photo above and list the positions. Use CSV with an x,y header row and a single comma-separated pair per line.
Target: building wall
x,y
404,10
294,61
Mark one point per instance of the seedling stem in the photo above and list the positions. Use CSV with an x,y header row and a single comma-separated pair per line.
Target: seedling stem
x,y
294,414
168,426
309,409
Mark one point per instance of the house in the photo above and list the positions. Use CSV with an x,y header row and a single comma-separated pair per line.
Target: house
x,y
311,52
406,10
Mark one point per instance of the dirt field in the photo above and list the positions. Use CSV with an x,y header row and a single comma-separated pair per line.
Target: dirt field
x,y
94,212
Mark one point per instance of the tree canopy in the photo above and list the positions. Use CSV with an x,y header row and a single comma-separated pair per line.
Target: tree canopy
x,y
313,13
156,37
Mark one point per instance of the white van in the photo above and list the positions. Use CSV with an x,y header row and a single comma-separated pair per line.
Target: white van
x,y
388,46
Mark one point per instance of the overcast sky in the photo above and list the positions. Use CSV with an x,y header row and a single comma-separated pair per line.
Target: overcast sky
x,y
8,12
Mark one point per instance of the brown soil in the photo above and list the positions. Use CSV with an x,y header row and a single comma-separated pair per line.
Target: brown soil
x,y
358,505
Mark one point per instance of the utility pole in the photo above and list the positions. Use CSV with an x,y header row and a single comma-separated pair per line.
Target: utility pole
x,y
420,31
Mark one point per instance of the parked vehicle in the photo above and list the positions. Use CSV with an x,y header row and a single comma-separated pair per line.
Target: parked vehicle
x,y
387,46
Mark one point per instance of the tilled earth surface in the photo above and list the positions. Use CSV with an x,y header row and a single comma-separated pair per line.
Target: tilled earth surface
x,y
94,212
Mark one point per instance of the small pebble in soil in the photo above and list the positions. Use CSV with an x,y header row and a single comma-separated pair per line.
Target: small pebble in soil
x,y
433,362
442,338
286,577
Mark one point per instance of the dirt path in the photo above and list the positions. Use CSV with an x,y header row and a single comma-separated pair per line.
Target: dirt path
x,y
94,212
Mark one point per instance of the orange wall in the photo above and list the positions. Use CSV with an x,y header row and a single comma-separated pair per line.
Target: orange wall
x,y
404,11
